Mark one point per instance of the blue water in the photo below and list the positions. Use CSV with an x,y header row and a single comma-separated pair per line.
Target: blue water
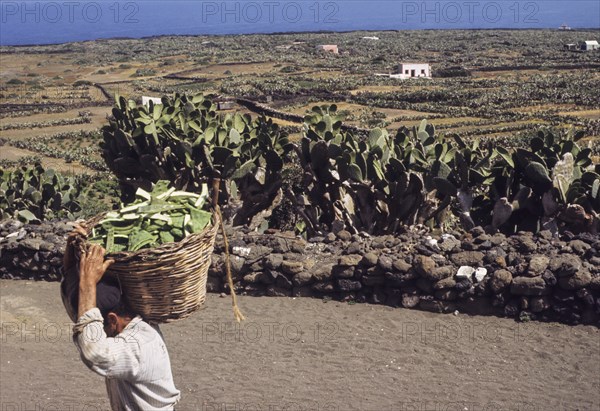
x,y
44,22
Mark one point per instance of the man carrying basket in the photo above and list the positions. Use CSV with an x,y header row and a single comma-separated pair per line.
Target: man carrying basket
x,y
113,341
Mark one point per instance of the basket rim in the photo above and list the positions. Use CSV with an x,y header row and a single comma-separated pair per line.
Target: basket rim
x,y
93,221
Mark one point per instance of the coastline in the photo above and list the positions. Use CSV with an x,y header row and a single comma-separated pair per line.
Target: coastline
x,y
282,33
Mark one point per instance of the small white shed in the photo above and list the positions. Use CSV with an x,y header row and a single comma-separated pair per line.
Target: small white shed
x,y
413,70
146,100
590,45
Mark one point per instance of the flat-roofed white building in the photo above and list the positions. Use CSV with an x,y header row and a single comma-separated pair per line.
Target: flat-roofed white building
x,y
589,45
412,70
146,100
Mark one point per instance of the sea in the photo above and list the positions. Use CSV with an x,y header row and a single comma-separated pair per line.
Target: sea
x,y
50,22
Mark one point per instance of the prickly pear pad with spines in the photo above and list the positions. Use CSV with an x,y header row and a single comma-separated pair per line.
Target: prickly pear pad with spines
x,y
161,216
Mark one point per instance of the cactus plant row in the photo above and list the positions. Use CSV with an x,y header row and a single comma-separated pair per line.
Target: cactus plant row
x,y
32,194
376,183
185,141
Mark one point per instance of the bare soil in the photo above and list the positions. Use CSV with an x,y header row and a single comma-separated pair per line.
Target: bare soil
x,y
304,354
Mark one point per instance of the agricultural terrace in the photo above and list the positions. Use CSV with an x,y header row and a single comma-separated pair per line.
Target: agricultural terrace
x,y
493,85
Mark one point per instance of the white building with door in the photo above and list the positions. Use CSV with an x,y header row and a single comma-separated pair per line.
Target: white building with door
x,y
412,70
589,45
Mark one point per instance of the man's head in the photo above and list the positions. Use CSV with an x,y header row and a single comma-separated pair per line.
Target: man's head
x,y
113,307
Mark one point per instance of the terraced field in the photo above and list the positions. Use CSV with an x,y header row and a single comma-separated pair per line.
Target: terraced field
x,y
506,93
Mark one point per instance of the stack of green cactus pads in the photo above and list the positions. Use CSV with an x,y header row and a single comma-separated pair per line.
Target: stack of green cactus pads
x,y
165,215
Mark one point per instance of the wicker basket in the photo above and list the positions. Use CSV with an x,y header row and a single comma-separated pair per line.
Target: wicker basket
x,y
168,282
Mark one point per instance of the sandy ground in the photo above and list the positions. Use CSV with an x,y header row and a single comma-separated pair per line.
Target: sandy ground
x,y
306,354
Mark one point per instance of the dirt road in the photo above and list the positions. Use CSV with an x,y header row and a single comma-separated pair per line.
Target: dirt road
x,y
306,354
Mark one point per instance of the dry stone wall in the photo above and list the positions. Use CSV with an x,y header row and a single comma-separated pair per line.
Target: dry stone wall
x,y
526,276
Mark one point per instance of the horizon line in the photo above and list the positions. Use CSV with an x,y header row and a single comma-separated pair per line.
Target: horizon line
x,y
276,33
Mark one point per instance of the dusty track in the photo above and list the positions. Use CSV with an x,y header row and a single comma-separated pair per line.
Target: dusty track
x,y
304,354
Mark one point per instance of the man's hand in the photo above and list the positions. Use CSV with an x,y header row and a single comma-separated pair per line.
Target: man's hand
x,y
92,265
91,269
71,251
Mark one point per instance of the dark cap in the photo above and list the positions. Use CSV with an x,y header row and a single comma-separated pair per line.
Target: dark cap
x,y
108,295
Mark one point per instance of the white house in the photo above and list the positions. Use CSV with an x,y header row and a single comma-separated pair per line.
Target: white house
x,y
412,70
590,45
370,38
146,100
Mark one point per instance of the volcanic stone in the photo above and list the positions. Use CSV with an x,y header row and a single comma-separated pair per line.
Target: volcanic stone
x,y
32,243
539,304
329,238
579,247
256,252
526,244
440,273
445,283
472,258
394,279
425,285
498,239
464,285
537,265
446,295
410,301
302,278
437,306
323,287
448,243
273,261
369,259
298,246
283,282
350,260
343,271
255,277
579,280
322,272
565,265
344,235
424,250
371,280
292,267
354,248
529,286
480,274
424,266
385,262
511,309
348,285
401,266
